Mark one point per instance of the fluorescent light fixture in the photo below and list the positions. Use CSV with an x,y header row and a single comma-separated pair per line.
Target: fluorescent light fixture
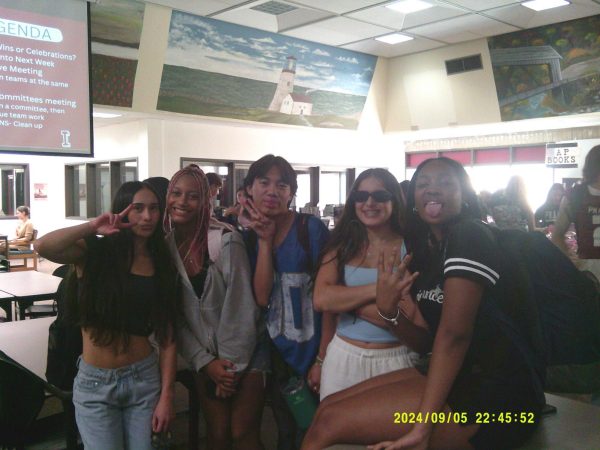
x,y
540,5
101,115
394,38
409,6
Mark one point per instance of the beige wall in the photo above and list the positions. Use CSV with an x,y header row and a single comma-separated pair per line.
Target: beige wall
x,y
421,95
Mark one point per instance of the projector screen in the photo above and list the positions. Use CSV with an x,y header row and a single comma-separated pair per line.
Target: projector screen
x,y
45,105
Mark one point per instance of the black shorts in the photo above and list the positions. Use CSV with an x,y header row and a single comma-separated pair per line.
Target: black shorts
x,y
507,410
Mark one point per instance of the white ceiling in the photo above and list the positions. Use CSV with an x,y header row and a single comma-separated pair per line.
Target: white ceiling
x,y
353,24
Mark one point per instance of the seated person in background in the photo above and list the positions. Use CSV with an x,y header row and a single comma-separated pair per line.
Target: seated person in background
x,y
24,231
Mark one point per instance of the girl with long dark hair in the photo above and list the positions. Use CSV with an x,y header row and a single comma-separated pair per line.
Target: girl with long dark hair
x,y
362,347
125,292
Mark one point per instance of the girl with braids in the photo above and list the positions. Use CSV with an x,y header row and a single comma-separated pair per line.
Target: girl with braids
x,y
126,290
478,368
218,329
362,347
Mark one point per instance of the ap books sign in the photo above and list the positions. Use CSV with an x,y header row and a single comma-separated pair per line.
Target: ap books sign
x,y
562,155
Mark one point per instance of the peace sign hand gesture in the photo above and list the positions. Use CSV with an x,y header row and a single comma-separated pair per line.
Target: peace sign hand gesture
x,y
251,217
394,281
110,223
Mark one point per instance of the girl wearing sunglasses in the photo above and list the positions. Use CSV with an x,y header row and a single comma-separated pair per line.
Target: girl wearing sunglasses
x,y
362,346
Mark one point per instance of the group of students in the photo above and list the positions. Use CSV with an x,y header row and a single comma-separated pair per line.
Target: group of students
x,y
352,313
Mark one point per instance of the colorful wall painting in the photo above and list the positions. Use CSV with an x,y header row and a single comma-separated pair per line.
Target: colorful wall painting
x,y
116,28
214,68
548,71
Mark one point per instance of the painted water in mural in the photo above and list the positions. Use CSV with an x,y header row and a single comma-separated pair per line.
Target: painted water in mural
x,y
548,71
116,28
214,68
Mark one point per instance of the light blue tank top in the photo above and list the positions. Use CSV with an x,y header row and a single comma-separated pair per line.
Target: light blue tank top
x,y
353,327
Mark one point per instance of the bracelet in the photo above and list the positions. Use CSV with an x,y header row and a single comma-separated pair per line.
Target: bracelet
x,y
393,320
319,361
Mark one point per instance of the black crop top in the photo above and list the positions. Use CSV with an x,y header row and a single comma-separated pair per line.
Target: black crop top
x,y
143,293
140,295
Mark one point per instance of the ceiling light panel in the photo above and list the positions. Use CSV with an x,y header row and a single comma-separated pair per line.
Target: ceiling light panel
x,y
373,47
394,38
541,5
409,6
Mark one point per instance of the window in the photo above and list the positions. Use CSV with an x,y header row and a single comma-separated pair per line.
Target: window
x,y
14,188
90,187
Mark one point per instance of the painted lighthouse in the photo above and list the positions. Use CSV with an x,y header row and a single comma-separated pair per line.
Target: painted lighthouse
x,y
285,85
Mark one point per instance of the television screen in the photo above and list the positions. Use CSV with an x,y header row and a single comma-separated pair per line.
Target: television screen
x,y
45,103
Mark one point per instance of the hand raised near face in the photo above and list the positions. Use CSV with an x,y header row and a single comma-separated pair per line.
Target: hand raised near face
x,y
110,223
394,281
251,217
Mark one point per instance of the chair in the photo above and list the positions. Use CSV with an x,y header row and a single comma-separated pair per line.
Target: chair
x,y
25,256
46,309
21,399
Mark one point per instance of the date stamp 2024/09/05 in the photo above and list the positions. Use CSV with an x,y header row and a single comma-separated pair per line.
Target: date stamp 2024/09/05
x,y
523,417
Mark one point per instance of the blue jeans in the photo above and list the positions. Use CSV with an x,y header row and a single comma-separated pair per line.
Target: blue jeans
x,y
114,407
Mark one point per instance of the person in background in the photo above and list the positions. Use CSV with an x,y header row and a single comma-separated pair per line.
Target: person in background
x,y
284,248
218,327
24,232
546,214
476,367
215,185
363,347
160,186
580,206
510,209
126,290
233,215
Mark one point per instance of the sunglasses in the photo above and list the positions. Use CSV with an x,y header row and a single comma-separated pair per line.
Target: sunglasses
x,y
377,196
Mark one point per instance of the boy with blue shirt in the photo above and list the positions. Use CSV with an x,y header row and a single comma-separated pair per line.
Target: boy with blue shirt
x,y
284,248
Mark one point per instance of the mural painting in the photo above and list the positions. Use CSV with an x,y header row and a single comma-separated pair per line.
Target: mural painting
x,y
116,27
548,71
214,68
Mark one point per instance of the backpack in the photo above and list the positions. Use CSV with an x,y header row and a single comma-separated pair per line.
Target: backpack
x,y
566,311
65,343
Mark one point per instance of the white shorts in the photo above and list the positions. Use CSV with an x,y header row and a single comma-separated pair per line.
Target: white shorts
x,y
346,365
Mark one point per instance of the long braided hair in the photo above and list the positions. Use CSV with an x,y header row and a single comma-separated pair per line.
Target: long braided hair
x,y
194,248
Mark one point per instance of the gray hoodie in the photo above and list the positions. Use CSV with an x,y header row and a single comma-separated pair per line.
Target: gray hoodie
x,y
223,323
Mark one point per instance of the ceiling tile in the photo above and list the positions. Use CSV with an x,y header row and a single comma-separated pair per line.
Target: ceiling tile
x,y
394,19
523,17
337,31
464,28
336,6
481,5
374,47
203,8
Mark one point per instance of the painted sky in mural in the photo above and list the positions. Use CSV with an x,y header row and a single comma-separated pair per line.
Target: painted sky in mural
x,y
211,45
